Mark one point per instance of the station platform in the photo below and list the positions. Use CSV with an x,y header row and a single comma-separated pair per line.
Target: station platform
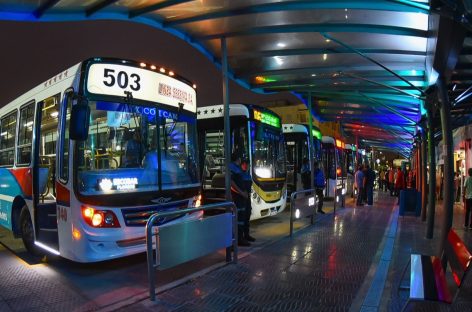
x,y
348,261
343,263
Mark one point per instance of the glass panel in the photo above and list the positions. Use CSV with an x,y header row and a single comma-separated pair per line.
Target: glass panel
x,y
47,145
25,134
269,152
64,155
125,144
214,153
7,140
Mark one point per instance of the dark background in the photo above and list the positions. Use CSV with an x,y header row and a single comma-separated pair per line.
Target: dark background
x,y
34,52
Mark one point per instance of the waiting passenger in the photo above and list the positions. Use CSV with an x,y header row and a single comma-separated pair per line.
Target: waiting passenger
x,y
320,184
468,199
306,174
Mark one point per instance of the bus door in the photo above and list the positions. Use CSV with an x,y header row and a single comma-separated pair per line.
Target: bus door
x,y
44,173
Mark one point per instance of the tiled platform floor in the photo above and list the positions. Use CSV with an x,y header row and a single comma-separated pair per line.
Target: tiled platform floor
x,y
320,269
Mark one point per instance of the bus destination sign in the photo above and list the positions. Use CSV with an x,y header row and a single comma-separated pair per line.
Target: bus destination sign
x,y
144,84
267,118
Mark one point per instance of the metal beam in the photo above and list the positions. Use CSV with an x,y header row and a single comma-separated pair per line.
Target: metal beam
x,y
366,70
227,128
327,36
46,5
319,51
320,28
448,203
155,7
390,109
98,6
412,4
432,172
383,85
299,6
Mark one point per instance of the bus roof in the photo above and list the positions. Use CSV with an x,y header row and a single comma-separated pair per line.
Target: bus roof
x,y
251,112
49,87
294,128
328,140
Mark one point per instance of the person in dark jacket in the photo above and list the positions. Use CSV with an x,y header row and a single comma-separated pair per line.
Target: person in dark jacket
x,y
319,184
239,195
369,184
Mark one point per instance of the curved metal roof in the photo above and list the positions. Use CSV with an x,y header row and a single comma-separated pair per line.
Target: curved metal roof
x,y
335,50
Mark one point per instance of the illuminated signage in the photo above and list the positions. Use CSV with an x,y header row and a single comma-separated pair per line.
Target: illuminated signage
x,y
317,134
3,216
339,143
311,201
353,147
143,84
118,184
267,118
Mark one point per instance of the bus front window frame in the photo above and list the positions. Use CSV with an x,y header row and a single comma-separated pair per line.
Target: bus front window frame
x,y
114,178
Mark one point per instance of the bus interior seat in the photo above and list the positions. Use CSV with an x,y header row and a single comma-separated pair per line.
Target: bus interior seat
x,y
218,180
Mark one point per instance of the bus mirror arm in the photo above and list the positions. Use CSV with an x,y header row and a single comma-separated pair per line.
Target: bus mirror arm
x,y
79,121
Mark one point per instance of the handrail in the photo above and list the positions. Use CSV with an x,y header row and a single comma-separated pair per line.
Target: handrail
x,y
292,203
151,264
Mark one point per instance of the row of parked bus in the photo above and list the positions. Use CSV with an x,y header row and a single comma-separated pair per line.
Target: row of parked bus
x,y
89,155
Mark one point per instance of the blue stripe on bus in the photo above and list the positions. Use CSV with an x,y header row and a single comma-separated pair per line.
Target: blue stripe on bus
x,y
9,189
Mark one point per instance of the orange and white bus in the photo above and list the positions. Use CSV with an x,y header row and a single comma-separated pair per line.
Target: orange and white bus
x,y
89,155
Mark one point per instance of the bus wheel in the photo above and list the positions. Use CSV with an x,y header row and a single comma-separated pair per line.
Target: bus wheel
x,y
27,231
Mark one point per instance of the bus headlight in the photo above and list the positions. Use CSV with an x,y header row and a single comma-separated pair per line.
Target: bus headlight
x,y
100,218
197,201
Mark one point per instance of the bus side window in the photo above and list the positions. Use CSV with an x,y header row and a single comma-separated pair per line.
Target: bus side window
x,y
25,135
65,142
7,139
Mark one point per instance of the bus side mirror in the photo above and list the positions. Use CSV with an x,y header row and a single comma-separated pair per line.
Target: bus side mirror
x,y
79,122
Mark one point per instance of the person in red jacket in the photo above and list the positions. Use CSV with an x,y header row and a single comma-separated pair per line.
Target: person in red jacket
x,y
399,182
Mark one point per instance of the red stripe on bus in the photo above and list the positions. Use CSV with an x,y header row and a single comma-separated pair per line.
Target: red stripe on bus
x,y
63,194
24,179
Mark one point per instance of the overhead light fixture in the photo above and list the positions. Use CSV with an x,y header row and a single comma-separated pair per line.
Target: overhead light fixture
x,y
278,60
281,45
325,56
313,75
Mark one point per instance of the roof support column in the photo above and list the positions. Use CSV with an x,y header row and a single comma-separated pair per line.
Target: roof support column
x,y
423,181
432,171
227,145
227,152
448,204
310,138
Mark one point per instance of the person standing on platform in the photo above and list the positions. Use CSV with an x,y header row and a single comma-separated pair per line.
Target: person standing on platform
x,y
391,180
239,195
320,184
369,184
359,184
305,174
381,182
247,180
468,199
399,183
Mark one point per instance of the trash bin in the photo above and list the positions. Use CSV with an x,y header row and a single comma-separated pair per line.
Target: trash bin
x,y
410,202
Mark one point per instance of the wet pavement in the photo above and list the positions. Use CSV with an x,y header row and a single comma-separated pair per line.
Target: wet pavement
x,y
321,268
335,265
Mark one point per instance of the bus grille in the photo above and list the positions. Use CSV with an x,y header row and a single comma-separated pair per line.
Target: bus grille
x,y
139,216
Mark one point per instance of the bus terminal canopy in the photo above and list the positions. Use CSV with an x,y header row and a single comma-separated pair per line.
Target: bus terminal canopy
x,y
364,63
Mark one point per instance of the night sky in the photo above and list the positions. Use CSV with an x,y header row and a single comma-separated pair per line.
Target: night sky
x,y
34,52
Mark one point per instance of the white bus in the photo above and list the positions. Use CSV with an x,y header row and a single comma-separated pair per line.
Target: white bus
x,y
335,168
297,143
256,135
89,155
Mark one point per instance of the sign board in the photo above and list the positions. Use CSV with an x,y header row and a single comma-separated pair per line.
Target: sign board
x,y
144,84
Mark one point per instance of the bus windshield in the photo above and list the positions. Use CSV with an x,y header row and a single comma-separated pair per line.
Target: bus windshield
x,y
269,153
134,148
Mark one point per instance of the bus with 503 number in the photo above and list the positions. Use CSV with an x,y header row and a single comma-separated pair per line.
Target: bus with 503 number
x,y
89,155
